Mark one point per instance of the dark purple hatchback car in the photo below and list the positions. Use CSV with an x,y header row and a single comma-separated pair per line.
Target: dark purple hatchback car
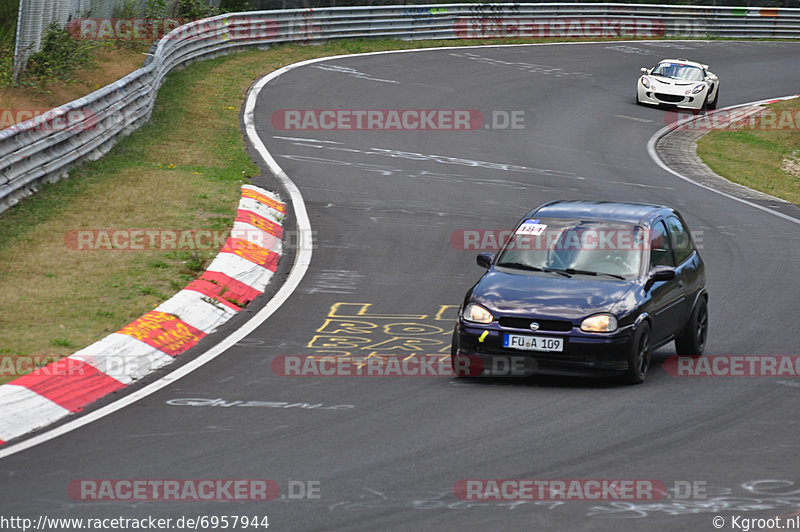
x,y
585,288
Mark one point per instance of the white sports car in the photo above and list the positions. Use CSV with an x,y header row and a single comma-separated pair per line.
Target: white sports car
x,y
678,83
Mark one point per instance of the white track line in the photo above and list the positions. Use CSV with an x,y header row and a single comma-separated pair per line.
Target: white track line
x,y
651,150
299,268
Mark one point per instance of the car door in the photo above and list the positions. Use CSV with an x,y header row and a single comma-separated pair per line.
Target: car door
x,y
687,263
667,297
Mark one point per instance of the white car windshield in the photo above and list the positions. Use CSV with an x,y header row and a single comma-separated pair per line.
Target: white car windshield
x,y
678,71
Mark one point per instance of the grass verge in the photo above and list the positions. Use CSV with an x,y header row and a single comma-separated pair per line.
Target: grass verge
x,y
182,170
762,158
109,62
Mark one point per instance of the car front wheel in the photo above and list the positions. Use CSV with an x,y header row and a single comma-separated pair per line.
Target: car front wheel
x,y
639,355
713,104
454,354
692,341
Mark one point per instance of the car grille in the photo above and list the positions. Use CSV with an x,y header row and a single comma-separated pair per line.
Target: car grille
x,y
673,98
544,325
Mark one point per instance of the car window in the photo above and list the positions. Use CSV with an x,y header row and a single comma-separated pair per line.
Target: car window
x,y
681,242
678,71
660,249
598,247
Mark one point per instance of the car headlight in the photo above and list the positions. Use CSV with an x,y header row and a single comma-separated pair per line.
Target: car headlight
x,y
476,313
699,88
645,82
599,323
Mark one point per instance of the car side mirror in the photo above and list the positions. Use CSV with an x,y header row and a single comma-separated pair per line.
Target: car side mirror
x,y
659,273
644,70
485,260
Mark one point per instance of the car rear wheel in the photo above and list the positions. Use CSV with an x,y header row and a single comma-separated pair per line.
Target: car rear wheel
x,y
692,341
639,355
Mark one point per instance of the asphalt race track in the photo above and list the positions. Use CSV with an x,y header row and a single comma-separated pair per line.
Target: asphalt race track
x,y
386,452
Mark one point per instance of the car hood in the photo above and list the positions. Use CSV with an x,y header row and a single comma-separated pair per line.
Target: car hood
x,y
673,86
549,295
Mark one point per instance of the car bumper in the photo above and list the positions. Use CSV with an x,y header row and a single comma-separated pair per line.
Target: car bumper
x,y
683,101
583,354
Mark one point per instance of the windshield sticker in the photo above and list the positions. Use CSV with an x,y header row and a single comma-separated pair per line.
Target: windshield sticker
x,y
531,227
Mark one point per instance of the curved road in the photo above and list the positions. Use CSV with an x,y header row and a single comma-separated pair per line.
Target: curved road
x,y
383,205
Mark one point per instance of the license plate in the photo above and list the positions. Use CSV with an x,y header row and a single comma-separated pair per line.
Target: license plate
x,y
533,343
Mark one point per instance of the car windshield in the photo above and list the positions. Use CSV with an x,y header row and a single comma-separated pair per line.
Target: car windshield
x,y
570,247
678,71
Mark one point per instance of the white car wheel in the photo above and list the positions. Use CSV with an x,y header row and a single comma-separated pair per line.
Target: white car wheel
x,y
713,103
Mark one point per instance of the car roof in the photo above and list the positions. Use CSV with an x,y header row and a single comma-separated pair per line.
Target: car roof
x,y
684,61
611,211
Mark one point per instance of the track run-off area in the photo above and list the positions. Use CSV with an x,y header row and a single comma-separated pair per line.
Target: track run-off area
x,y
388,211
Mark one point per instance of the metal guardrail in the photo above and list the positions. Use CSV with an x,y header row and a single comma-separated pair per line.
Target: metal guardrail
x,y
43,149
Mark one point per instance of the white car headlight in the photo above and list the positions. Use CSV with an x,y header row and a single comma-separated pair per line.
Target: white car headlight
x,y
599,323
699,88
645,82
476,313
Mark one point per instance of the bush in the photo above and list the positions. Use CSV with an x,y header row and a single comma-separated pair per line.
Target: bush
x,y
6,65
8,22
155,8
193,9
128,9
8,33
236,6
61,55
